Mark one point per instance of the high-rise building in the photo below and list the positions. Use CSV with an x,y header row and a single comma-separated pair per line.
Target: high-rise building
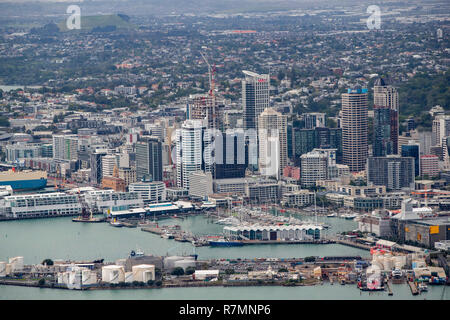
x,y
109,162
440,129
314,166
65,147
412,150
314,120
305,140
386,127
149,159
255,97
96,166
205,106
232,158
429,165
392,171
189,150
272,134
354,129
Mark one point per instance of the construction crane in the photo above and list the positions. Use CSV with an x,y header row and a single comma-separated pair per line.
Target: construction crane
x,y
428,192
211,93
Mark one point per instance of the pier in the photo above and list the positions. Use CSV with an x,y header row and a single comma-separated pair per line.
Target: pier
x,y
388,284
352,244
413,288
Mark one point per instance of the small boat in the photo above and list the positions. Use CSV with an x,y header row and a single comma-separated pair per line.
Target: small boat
x,y
423,287
332,215
397,273
116,224
167,235
137,253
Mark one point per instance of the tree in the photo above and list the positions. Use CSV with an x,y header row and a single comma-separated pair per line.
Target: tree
x,y
229,271
47,262
178,271
41,282
310,259
189,270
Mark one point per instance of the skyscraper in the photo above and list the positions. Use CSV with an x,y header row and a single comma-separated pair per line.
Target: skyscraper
x,y
392,171
231,155
189,150
205,106
386,108
65,147
149,159
314,120
412,150
272,134
255,97
440,129
354,129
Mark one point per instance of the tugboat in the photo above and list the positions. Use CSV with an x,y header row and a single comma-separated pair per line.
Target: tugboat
x,y
86,214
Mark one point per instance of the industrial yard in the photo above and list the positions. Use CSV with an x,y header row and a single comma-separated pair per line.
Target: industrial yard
x,y
139,270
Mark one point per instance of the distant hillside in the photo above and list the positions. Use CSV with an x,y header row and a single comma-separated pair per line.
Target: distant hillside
x,y
100,23
422,92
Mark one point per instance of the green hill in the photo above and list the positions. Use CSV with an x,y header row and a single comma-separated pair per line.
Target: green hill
x,y
101,23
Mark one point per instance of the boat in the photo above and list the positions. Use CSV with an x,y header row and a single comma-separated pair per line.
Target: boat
x,y
423,287
225,243
167,235
137,253
116,223
397,273
348,216
24,180
332,215
87,217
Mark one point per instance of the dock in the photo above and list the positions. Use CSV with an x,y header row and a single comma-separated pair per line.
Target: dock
x,y
390,293
353,244
413,288
323,241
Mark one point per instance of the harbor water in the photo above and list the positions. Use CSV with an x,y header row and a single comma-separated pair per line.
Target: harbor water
x,y
60,238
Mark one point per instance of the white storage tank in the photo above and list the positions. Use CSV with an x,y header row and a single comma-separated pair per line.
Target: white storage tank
x,y
169,262
88,277
143,272
113,274
16,264
128,277
2,269
184,264
121,262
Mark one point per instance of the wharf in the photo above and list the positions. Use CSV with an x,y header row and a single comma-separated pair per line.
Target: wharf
x,y
245,242
353,244
413,288
390,293
157,231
